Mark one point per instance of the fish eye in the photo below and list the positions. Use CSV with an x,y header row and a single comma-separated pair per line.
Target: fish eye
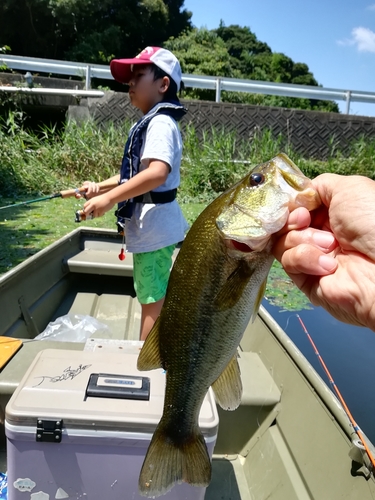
x,y
256,179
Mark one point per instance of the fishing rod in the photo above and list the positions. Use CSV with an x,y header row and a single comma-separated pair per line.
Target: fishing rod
x,y
62,194
341,399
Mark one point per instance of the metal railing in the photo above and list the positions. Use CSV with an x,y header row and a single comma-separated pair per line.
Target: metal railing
x,y
89,71
48,91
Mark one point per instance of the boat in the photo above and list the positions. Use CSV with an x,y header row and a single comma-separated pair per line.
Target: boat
x,y
290,438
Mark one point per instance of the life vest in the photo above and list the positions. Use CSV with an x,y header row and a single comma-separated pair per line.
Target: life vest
x,y
131,160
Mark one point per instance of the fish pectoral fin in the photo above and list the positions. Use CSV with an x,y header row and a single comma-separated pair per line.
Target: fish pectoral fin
x,y
233,287
228,387
259,299
171,461
149,358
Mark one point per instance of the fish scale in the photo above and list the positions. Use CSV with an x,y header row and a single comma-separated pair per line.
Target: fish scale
x,y
215,287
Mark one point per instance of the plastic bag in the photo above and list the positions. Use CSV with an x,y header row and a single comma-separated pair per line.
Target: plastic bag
x,y
74,328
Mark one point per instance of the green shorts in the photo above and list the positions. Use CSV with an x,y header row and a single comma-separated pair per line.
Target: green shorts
x,y
151,274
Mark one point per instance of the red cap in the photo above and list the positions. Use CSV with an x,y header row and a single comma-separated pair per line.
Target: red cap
x,y
122,69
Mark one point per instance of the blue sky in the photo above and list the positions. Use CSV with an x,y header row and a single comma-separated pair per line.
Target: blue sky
x,y
335,38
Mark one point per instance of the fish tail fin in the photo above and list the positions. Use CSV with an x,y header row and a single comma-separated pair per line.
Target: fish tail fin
x,y
169,461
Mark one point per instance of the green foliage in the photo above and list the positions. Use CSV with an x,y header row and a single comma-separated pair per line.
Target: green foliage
x,y
243,47
52,160
25,230
235,51
88,31
218,159
99,30
4,50
49,161
359,160
283,293
201,52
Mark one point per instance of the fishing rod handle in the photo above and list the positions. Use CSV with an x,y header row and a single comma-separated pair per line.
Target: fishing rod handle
x,y
72,192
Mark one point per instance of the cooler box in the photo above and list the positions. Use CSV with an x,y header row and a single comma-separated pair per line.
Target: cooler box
x,y
79,424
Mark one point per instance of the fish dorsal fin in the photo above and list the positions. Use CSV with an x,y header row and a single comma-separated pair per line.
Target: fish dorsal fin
x,y
228,387
149,357
234,286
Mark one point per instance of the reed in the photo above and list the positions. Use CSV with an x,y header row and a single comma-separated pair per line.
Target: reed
x,y
46,161
49,160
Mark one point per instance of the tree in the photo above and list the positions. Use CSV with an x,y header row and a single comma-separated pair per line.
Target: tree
x,y
201,52
243,46
254,60
89,31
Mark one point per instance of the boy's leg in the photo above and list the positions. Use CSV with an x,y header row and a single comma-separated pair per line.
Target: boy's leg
x,y
150,313
151,274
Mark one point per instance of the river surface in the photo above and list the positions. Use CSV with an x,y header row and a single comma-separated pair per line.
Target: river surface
x,y
348,352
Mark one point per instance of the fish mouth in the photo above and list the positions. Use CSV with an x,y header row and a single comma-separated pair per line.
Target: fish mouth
x,y
240,246
253,245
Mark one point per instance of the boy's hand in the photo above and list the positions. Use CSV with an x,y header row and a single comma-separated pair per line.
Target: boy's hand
x,y
98,206
90,189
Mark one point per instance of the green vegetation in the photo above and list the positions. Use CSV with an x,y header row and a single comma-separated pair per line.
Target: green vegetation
x,y
52,160
35,165
235,52
94,31
97,31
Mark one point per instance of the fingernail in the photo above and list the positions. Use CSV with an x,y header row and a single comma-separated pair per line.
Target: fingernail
x,y
323,239
293,218
327,263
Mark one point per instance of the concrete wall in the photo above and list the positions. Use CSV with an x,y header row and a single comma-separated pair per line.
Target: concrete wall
x,y
311,133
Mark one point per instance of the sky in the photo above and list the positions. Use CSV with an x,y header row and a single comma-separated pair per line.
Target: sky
x,y
335,38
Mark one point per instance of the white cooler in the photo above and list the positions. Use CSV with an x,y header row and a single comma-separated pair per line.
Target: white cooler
x,y
79,425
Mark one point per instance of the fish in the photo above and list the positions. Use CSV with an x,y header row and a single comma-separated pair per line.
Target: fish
x,y
215,288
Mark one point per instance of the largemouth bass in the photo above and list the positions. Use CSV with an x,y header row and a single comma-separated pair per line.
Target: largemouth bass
x,y
215,287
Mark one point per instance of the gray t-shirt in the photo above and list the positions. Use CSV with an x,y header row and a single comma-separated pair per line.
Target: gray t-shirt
x,y
151,226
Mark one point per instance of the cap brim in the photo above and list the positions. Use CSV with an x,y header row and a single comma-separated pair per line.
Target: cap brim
x,y
121,69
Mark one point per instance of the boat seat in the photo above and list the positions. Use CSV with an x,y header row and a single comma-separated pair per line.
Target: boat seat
x,y
121,313
258,386
258,408
107,262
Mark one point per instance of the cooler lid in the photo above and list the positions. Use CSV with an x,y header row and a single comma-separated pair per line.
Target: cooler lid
x,y
95,390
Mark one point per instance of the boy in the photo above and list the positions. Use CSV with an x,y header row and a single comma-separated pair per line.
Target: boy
x,y
146,187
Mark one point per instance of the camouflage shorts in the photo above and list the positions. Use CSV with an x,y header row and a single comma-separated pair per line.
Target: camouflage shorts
x,y
151,274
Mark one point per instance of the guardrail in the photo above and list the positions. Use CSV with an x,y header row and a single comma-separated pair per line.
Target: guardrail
x,y
59,92
89,71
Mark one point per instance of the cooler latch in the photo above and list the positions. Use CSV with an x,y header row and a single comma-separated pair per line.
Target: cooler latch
x,y
49,431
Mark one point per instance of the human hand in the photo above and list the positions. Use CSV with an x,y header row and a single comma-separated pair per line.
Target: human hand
x,y
98,206
330,253
88,190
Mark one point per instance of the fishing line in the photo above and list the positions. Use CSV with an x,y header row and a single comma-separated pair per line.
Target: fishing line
x,y
287,321
338,393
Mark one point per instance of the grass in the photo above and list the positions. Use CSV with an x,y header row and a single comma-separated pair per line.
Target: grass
x,y
37,164
27,229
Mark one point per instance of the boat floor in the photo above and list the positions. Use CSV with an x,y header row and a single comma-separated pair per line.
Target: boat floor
x,y
228,478
288,440
121,311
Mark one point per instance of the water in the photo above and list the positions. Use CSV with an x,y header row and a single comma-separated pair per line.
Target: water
x,y
348,351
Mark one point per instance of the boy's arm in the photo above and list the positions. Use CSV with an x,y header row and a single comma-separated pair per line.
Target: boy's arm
x,y
109,184
152,177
